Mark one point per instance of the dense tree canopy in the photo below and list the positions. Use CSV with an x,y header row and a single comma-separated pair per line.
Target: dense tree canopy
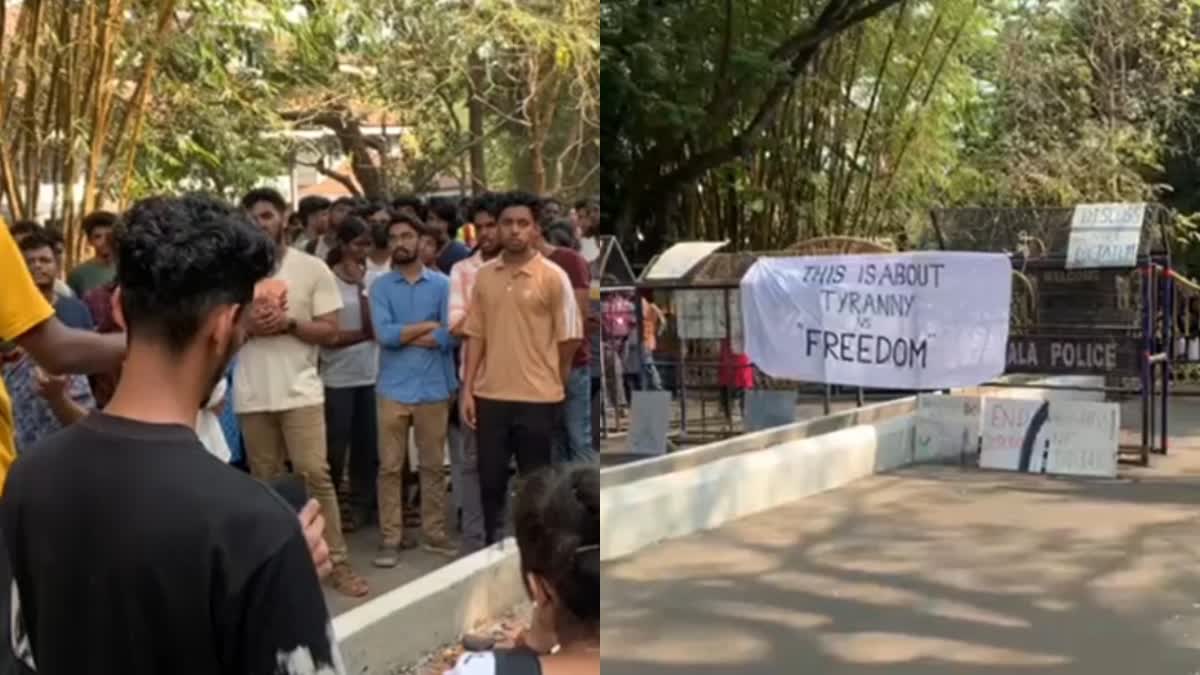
x,y
768,121
129,97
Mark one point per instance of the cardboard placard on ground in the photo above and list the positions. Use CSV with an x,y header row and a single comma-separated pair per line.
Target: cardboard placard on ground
x,y
1062,437
766,409
947,427
649,421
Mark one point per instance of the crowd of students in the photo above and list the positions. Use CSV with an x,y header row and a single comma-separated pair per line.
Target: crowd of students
x,y
377,320
320,353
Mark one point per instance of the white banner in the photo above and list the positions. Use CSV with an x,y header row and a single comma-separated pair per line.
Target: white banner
x,y
926,320
1105,235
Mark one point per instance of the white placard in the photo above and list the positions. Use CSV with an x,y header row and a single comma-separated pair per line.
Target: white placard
x,y
701,314
925,320
1105,235
1061,437
947,427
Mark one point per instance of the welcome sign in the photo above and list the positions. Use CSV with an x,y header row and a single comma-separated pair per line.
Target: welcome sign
x,y
924,320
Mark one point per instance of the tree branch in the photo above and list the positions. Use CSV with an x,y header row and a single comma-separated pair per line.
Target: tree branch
x,y
797,52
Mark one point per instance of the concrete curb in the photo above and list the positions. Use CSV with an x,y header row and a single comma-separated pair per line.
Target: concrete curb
x,y
753,442
643,512
398,628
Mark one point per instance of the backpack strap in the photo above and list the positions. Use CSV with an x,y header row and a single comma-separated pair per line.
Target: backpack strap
x,y
517,662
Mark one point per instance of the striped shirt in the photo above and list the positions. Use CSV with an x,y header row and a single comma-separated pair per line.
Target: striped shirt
x,y
462,283
523,313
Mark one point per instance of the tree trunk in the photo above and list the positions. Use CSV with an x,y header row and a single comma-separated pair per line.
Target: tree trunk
x,y
475,115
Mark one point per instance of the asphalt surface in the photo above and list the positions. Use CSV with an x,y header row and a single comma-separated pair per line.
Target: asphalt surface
x,y
931,571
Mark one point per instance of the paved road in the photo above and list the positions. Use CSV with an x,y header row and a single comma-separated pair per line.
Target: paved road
x,y
930,571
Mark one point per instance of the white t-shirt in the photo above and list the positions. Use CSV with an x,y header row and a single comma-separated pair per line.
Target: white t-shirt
x,y
208,425
280,372
589,248
356,365
374,271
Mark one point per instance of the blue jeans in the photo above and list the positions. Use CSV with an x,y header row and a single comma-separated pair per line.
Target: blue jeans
x,y
577,418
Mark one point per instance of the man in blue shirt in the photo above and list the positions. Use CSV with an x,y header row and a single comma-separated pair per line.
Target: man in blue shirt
x,y
44,403
409,309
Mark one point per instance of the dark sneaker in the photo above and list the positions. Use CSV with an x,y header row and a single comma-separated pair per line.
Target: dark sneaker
x,y
409,541
387,557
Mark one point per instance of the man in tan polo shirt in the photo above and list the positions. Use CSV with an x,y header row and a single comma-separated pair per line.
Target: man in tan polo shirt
x,y
523,328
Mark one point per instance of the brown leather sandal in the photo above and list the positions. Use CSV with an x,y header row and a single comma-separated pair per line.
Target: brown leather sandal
x,y
345,581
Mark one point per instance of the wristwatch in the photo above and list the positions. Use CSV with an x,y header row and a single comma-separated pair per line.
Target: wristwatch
x,y
291,326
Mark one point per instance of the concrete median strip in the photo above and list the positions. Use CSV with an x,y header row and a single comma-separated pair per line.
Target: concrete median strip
x,y
398,628
789,464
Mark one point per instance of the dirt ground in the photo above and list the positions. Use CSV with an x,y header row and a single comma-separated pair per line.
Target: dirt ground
x,y
931,571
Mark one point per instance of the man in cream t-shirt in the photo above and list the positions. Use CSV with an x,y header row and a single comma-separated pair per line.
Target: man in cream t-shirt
x,y
278,395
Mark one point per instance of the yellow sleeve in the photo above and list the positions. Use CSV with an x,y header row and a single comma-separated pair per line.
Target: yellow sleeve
x,y
22,305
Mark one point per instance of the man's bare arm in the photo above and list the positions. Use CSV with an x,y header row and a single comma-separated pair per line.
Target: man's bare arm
x,y
322,330
566,354
60,349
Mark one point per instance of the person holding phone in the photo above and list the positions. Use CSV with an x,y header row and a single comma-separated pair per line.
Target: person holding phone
x,y
149,555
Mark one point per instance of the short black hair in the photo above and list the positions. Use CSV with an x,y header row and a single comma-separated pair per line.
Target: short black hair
x,y
54,232
310,205
403,218
23,228
511,199
561,233
36,239
412,201
485,202
351,228
98,219
379,234
369,209
448,211
264,194
178,258
556,518
347,200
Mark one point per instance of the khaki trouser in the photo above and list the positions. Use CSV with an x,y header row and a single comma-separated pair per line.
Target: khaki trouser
x,y
297,436
429,421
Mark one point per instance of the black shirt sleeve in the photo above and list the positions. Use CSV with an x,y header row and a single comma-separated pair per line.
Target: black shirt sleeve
x,y
282,626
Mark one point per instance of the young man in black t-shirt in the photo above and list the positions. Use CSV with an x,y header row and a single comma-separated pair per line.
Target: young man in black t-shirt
x,y
134,551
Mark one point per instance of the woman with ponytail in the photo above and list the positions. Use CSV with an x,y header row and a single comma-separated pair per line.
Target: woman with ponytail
x,y
348,370
557,522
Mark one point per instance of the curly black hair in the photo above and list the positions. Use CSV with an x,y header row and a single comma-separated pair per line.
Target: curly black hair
x,y
37,238
508,200
23,228
556,517
178,258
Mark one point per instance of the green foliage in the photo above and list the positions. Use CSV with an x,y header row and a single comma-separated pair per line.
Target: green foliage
x,y
240,72
950,103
